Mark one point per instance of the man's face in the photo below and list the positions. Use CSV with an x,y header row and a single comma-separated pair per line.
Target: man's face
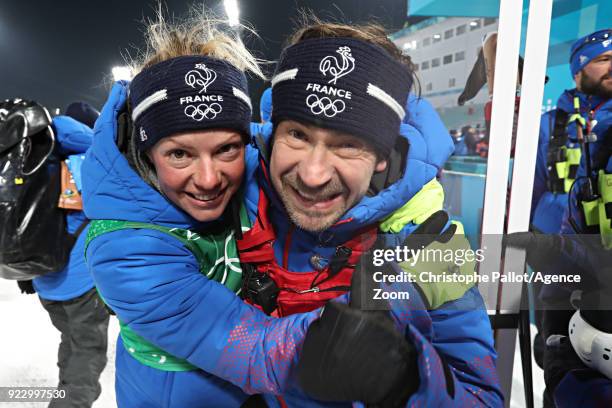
x,y
595,78
320,174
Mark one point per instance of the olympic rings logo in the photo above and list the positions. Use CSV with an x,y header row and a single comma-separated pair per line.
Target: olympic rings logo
x,y
202,111
325,105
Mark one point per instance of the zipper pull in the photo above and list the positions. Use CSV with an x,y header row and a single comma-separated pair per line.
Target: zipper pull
x,y
313,290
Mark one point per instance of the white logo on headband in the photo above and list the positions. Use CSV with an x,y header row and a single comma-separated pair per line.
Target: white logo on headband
x,y
583,59
201,77
201,111
606,43
325,105
338,69
143,134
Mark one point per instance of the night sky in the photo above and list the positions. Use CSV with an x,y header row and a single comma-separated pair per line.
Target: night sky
x,y
63,51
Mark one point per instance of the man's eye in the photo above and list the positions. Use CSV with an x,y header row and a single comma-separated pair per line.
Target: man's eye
x,y
296,134
229,148
349,146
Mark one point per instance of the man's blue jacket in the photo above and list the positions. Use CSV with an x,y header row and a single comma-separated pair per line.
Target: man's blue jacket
x,y
585,387
454,329
547,208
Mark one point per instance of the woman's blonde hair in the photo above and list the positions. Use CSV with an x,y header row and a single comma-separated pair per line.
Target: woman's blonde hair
x,y
200,33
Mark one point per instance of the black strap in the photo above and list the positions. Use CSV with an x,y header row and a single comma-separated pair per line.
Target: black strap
x,y
573,171
556,153
80,229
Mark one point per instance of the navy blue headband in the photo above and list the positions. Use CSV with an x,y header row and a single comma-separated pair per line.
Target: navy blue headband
x,y
343,84
186,94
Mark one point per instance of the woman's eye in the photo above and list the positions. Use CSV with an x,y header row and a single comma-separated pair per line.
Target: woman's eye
x,y
177,154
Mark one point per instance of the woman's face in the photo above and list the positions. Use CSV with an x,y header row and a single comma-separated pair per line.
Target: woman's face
x,y
200,171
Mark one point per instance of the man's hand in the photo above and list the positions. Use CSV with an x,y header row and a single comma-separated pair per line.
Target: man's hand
x,y
352,355
548,252
356,352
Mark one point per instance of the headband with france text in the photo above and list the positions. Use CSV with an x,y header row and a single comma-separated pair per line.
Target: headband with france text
x,y
188,93
343,84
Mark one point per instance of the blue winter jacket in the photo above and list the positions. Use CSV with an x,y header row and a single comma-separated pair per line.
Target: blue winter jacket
x,y
458,331
603,120
74,280
547,208
585,387
154,285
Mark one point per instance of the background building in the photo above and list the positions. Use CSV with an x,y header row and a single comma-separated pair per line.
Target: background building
x,y
445,49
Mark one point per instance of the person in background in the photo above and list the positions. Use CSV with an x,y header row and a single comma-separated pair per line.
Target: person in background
x,y
265,111
470,138
69,295
561,171
265,105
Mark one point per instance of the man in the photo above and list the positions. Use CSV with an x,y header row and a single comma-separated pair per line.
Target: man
x,y
337,169
585,111
591,64
558,150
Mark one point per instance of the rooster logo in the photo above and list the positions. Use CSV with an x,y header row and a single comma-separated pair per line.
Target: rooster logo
x,y
201,77
337,69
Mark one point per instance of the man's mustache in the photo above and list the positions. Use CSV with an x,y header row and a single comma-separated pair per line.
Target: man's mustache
x,y
333,187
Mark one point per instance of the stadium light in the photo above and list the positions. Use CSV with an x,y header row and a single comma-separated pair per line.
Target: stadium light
x,y
232,11
122,73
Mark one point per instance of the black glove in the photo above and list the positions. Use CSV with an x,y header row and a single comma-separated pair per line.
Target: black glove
x,y
550,252
26,287
351,355
543,251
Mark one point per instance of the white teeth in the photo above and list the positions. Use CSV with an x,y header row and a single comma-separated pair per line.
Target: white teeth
x,y
206,197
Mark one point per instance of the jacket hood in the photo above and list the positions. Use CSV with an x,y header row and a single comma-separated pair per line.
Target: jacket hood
x,y
112,189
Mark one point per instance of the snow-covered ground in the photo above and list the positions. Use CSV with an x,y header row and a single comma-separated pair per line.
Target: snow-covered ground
x,y
28,347
28,351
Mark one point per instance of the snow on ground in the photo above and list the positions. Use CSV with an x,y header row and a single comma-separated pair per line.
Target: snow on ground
x,y
28,351
28,347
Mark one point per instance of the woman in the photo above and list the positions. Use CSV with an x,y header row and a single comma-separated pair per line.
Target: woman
x,y
171,189
164,211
